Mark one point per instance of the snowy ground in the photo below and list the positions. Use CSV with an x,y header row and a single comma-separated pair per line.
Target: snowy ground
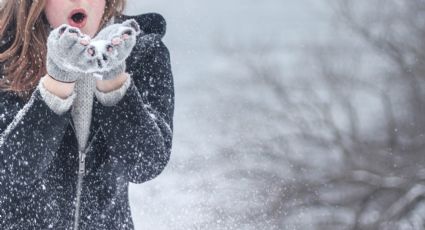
x,y
193,193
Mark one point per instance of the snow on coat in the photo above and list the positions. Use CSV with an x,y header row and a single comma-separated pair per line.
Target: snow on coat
x,y
129,142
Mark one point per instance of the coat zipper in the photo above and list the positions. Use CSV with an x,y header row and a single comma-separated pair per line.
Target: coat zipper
x,y
81,172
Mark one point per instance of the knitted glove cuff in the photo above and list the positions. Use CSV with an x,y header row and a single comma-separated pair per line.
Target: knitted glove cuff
x,y
59,74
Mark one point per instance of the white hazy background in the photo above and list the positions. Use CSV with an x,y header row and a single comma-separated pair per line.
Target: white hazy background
x,y
291,114
194,192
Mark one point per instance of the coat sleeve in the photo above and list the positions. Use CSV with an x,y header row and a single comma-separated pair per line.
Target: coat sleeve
x,y
139,128
30,136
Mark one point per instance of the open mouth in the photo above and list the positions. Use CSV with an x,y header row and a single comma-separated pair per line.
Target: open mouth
x,y
77,18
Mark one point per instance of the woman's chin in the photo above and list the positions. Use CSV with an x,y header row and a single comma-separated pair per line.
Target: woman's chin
x,y
87,31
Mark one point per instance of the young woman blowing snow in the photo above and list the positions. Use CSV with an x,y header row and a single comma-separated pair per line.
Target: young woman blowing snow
x,y
86,106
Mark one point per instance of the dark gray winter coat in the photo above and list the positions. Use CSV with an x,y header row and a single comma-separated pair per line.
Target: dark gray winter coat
x,y
129,142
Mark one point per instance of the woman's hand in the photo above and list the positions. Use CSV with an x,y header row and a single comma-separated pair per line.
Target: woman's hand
x,y
105,86
112,46
60,89
71,54
68,54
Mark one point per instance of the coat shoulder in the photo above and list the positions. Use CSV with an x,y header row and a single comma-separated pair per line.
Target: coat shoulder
x,y
150,23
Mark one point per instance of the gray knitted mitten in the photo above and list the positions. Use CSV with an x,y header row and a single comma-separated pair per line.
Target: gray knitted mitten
x,y
68,56
112,46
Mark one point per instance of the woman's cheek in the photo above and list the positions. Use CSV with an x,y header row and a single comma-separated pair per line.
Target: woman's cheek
x,y
97,11
54,19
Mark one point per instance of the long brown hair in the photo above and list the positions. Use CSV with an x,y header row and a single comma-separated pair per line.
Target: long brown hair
x,y
23,35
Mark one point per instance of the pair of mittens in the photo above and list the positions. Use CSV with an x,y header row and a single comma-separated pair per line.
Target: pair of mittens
x,y
71,54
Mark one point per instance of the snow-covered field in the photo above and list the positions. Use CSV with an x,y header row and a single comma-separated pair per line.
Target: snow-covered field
x,y
193,192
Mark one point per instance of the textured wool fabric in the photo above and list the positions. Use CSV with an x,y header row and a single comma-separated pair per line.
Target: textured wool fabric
x,y
115,60
82,109
66,56
55,103
81,101
113,97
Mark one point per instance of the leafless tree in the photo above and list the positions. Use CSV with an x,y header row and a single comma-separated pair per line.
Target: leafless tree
x,y
349,123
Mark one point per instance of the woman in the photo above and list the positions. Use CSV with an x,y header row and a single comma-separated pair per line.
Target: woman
x,y
85,108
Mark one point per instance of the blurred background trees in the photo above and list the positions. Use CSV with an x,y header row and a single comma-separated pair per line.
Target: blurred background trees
x,y
349,122
317,133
